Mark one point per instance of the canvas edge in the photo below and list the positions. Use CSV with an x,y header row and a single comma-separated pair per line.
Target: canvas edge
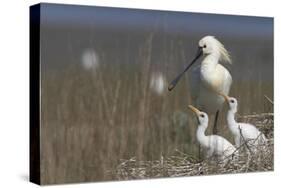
x,y
34,95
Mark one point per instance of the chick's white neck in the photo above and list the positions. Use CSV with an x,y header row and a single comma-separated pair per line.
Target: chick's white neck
x,y
201,137
232,124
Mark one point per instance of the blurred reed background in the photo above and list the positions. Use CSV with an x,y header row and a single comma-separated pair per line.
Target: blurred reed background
x,y
104,77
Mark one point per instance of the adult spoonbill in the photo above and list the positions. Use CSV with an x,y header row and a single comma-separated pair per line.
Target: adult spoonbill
x,y
242,132
214,144
208,77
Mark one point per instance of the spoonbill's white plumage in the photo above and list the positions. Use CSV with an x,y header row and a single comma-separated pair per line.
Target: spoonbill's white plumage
x,y
214,145
208,77
242,132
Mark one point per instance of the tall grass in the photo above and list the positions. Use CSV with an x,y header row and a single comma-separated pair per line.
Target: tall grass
x,y
93,119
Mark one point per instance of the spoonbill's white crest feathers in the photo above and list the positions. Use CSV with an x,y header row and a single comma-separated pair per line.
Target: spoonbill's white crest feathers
x,y
242,132
214,145
209,76
211,45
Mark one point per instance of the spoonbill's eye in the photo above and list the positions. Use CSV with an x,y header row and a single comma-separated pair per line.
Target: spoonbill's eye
x,y
204,46
202,115
232,101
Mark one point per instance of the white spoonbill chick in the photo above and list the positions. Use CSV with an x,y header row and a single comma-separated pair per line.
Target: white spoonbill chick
x,y
242,132
208,77
214,145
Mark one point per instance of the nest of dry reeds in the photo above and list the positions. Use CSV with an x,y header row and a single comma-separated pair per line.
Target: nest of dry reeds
x,y
181,164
